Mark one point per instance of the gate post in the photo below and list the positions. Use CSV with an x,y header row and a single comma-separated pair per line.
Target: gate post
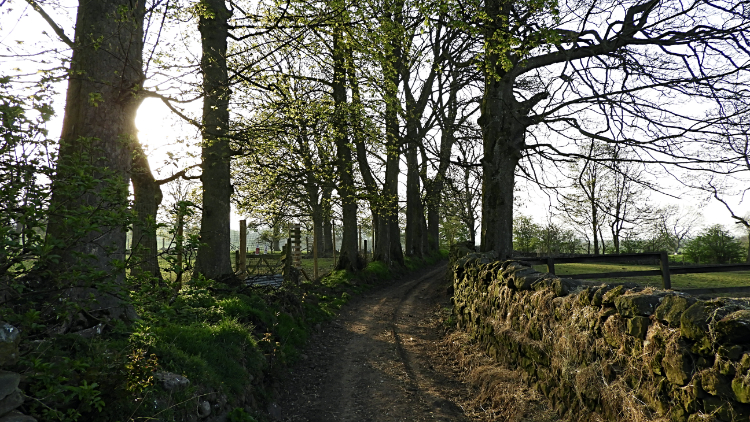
x,y
242,261
365,251
664,264
297,235
551,265
315,253
180,239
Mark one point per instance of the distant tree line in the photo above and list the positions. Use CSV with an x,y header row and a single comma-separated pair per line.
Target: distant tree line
x,y
710,245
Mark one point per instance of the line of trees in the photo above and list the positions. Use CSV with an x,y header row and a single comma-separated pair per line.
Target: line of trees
x,y
312,110
666,231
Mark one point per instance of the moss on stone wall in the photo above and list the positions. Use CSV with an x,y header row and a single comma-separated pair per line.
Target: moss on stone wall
x,y
618,352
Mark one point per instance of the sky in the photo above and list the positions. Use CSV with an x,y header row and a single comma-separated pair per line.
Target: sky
x,y
22,30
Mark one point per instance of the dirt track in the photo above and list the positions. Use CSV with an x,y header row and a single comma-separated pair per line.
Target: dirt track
x,y
373,363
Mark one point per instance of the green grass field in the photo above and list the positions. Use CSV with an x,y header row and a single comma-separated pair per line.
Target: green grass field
x,y
679,281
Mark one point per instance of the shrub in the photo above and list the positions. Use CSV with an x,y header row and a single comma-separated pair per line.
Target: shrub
x,y
715,245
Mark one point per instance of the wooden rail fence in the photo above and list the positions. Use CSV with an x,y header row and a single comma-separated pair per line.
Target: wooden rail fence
x,y
664,269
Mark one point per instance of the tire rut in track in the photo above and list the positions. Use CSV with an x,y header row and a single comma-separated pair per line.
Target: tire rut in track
x,y
371,363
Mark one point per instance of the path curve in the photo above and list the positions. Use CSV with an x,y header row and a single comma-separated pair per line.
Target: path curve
x,y
373,362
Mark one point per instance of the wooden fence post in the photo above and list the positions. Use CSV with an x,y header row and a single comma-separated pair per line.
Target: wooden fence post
x,y
664,264
288,258
242,262
297,234
315,254
333,234
551,265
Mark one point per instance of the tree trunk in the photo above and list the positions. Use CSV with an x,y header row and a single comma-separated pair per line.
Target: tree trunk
x,y
213,253
318,220
327,223
388,246
147,198
276,237
504,121
349,258
470,220
595,226
415,221
98,133
503,136
616,241
433,197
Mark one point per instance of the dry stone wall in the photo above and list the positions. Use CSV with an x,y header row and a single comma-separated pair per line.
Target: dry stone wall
x,y
616,352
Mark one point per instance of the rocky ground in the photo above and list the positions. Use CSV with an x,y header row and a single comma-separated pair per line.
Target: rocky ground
x,y
388,357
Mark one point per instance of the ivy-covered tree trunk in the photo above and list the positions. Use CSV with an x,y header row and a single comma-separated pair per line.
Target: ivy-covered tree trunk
x,y
87,225
213,254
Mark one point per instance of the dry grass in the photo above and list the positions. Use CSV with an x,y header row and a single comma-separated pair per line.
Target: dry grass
x,y
591,379
499,393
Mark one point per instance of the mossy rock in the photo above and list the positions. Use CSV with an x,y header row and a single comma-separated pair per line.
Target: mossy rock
x,y
678,414
704,348
734,328
637,305
686,397
525,278
726,410
677,363
744,365
671,308
510,267
741,389
598,298
563,286
694,321
588,385
638,326
602,317
716,384
655,363
613,330
536,353
724,367
583,298
545,282
609,298
733,352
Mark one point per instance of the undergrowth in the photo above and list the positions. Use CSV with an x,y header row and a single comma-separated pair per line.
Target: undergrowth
x,y
227,341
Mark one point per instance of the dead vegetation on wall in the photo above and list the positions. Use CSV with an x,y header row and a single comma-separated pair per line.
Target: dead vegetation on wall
x,y
608,352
